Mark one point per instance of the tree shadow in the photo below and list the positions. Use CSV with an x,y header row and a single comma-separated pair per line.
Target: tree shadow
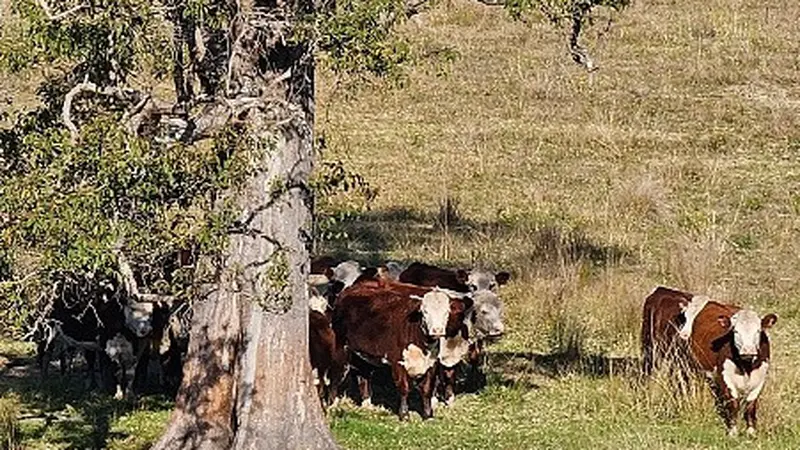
x,y
368,236
557,365
61,408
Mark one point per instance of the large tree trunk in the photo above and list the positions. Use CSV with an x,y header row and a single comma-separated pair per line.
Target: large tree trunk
x,y
247,379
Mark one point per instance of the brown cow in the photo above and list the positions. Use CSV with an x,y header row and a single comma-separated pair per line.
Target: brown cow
x,y
484,320
381,322
460,280
328,360
731,346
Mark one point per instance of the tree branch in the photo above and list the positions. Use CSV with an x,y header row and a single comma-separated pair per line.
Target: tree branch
x,y
66,110
55,17
130,284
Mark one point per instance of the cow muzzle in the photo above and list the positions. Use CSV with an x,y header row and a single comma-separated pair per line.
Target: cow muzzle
x,y
749,357
437,332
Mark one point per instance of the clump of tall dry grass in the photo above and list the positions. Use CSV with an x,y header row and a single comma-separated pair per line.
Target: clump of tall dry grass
x,y
9,427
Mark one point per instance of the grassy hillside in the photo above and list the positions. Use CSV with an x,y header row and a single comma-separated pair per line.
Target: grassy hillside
x,y
677,163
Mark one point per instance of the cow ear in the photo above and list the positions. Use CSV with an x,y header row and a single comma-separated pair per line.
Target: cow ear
x,y
502,278
724,322
768,321
462,276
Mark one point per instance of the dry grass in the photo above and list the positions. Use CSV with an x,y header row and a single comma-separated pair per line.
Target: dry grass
x,y
675,164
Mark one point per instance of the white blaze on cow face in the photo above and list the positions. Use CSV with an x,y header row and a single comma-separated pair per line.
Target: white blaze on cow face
x,y
138,317
746,333
690,312
435,309
417,361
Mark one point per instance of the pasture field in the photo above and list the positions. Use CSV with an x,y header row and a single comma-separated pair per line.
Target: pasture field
x,y
677,163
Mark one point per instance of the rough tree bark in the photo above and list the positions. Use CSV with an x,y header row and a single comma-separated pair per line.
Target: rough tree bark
x,y
247,381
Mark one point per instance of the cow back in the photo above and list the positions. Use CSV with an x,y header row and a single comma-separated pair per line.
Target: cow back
x,y
662,316
422,274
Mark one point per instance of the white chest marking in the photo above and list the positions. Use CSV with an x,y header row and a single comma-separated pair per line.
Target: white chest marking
x,y
417,361
452,350
741,384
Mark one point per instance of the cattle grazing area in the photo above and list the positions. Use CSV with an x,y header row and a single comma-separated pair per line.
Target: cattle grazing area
x,y
603,213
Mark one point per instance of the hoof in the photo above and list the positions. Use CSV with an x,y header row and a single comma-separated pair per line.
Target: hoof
x,y
751,431
733,431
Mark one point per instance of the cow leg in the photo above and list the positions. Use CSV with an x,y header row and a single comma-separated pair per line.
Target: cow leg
x,y
43,358
728,407
336,374
63,360
90,356
475,358
140,369
364,389
750,416
448,380
426,391
400,377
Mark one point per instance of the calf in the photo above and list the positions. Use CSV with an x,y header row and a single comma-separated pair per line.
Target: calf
x,y
381,322
328,361
667,315
731,346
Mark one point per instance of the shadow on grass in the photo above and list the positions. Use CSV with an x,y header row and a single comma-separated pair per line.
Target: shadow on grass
x,y
504,365
61,410
369,236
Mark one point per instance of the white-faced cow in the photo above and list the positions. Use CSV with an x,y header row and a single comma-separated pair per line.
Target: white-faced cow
x,y
382,322
731,346
484,321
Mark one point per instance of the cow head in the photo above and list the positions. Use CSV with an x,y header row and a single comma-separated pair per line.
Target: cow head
x,y
479,280
139,317
347,272
690,311
747,327
487,315
435,309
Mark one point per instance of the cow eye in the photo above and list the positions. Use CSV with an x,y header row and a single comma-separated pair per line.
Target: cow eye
x,y
473,287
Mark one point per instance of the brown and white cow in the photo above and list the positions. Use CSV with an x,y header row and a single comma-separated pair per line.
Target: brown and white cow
x,y
731,346
484,321
667,319
382,322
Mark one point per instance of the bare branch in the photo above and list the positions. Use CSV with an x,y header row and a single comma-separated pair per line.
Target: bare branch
x,y
130,284
55,17
66,110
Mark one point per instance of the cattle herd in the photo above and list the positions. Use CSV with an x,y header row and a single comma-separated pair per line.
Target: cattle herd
x,y
422,322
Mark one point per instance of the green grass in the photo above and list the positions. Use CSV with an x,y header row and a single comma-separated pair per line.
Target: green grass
x,y
677,163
